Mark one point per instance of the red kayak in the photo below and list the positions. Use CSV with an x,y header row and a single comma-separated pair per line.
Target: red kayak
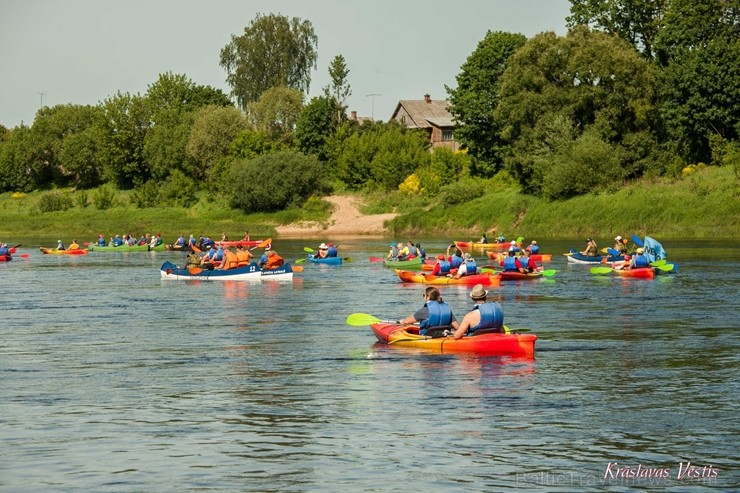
x,y
5,258
639,273
241,243
537,257
520,345
515,275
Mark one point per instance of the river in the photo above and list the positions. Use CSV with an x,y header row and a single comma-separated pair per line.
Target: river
x,y
115,380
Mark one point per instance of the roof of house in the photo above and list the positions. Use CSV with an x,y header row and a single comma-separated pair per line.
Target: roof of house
x,y
425,114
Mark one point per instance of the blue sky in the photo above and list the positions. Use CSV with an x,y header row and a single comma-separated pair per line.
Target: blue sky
x,y
83,51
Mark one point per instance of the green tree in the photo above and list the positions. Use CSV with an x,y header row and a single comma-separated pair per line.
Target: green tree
x,y
379,156
179,94
165,142
212,135
274,51
474,100
699,52
16,157
339,89
555,89
126,120
316,125
277,112
274,182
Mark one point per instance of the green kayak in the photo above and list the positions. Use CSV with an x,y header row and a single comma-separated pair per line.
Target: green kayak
x,y
126,248
403,264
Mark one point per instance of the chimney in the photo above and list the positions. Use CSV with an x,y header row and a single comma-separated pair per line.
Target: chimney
x,y
354,115
427,98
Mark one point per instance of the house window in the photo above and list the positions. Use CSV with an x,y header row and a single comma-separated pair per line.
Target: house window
x,y
447,135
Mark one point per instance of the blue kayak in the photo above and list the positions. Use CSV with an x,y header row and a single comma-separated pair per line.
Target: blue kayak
x,y
325,260
578,258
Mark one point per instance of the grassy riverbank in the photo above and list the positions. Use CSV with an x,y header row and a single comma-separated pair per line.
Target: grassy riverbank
x,y
705,204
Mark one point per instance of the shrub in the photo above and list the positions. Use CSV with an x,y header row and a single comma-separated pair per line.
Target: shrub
x,y
145,195
81,200
178,190
104,198
273,182
54,201
461,191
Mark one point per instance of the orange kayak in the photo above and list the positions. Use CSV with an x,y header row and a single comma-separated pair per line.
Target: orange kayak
x,y
54,251
521,345
491,279
537,257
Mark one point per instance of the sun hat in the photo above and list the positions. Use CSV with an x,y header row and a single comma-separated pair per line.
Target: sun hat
x,y
588,240
618,238
323,246
466,256
478,293
513,242
640,250
268,247
534,242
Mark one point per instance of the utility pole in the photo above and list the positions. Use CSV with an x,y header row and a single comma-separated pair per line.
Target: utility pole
x,y
42,94
372,115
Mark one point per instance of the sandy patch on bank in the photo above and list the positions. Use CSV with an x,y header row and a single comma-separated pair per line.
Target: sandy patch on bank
x,y
346,220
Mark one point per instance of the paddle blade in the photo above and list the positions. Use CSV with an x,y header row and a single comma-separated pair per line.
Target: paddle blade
x,y
359,319
194,271
658,263
297,268
347,259
376,259
548,273
637,240
300,260
264,243
25,255
612,251
664,267
601,270
308,249
519,240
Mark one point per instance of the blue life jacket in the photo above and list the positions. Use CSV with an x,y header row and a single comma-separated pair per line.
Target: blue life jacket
x,y
4,250
470,267
181,241
219,255
101,241
439,315
641,261
510,263
422,253
456,261
444,267
331,251
534,249
491,316
117,241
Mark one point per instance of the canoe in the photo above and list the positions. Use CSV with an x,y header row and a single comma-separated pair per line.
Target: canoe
x,y
54,251
126,248
521,345
5,258
640,272
327,260
242,243
537,257
403,264
490,279
575,257
284,273
515,275
177,248
470,245
249,272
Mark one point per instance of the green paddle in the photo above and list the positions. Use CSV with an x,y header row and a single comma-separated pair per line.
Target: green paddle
x,y
300,261
308,249
664,267
359,319
601,270
658,263
548,273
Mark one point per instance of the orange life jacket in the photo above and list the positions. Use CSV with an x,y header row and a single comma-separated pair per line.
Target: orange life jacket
x,y
274,261
242,257
230,260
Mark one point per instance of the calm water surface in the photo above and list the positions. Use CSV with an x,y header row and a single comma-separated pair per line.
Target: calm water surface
x,y
114,380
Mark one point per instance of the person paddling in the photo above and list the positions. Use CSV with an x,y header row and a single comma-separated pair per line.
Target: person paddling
x,y
484,316
435,317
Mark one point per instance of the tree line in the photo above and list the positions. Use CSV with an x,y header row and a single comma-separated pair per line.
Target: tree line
x,y
635,88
